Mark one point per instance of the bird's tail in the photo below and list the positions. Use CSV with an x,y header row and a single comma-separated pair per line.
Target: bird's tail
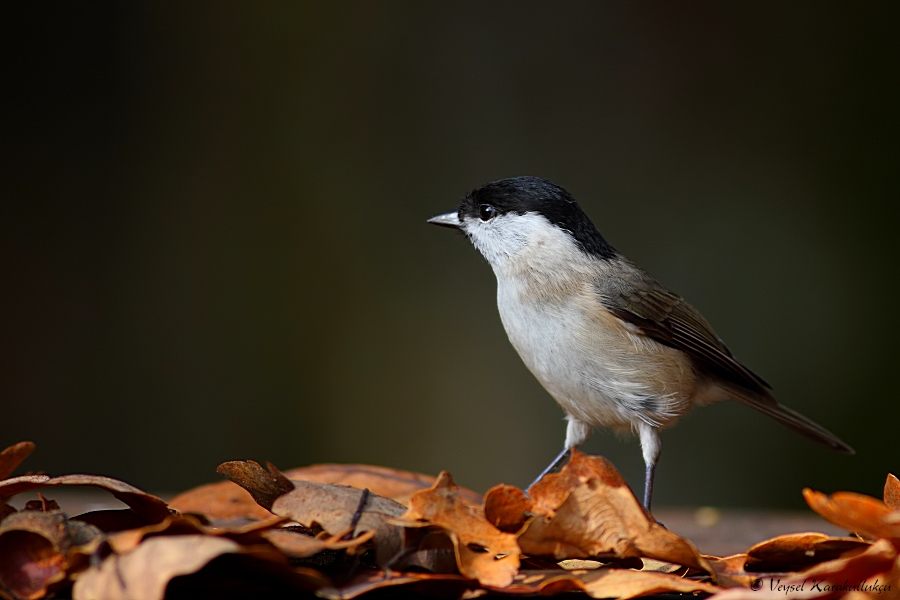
x,y
791,419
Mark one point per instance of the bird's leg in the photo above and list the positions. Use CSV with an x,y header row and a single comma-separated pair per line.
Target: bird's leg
x,y
651,446
555,466
576,434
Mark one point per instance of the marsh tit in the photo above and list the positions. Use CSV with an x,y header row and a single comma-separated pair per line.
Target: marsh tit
x,y
611,345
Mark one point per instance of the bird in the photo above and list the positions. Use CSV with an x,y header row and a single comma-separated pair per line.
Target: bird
x,y
613,346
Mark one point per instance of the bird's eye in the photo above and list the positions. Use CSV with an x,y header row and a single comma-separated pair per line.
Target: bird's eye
x,y
486,212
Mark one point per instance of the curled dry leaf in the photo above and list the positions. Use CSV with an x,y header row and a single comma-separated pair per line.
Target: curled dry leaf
x,y
12,457
798,551
873,572
333,508
858,513
507,507
220,502
587,510
483,552
730,571
892,492
144,573
123,542
33,549
147,506
264,486
605,582
389,483
413,584
297,545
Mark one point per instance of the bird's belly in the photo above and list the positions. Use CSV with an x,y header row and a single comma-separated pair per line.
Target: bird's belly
x,y
599,372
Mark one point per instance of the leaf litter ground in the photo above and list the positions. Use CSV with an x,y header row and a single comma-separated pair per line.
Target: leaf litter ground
x,y
346,531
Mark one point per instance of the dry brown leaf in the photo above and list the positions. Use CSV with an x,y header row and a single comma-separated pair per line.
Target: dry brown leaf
x,y
874,572
33,549
331,507
147,506
221,501
11,457
605,582
389,483
112,520
587,510
123,542
297,545
507,507
144,573
414,585
730,571
264,486
483,552
856,512
892,492
798,551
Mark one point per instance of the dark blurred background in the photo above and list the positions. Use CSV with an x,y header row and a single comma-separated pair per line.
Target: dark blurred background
x,y
214,246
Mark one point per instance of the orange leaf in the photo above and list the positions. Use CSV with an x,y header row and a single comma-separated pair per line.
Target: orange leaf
x,y
483,552
892,492
587,510
856,512
797,551
605,582
33,548
874,571
389,483
146,506
507,507
221,501
147,570
11,457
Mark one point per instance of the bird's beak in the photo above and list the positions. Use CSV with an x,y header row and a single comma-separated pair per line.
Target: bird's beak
x,y
450,219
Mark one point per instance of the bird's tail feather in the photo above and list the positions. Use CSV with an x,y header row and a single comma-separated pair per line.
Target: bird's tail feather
x,y
792,420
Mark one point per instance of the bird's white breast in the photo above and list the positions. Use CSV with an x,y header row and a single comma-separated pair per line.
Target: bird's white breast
x,y
599,371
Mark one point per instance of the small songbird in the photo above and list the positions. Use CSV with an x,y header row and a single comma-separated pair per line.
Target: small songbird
x,y
614,347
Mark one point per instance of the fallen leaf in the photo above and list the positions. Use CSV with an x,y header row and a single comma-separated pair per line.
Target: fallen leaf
x,y
605,582
11,457
144,573
856,512
798,551
730,571
331,507
892,492
123,542
389,483
873,570
146,506
264,486
414,585
297,545
112,520
507,507
33,548
588,511
483,552
221,501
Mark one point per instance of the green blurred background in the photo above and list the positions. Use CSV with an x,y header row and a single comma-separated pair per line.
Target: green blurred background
x,y
214,243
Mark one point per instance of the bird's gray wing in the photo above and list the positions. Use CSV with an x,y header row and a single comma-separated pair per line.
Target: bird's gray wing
x,y
638,299
635,297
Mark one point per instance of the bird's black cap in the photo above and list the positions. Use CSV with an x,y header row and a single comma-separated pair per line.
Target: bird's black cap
x,y
528,194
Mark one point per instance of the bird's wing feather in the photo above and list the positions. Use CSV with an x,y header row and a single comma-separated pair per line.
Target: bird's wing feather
x,y
666,317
